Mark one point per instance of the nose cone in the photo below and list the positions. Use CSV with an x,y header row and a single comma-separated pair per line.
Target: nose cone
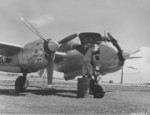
x,y
109,49
113,49
106,53
53,46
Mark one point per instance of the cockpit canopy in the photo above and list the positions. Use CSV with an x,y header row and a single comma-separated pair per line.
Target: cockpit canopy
x,y
90,37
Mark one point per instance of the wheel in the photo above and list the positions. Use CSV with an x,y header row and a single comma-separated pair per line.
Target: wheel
x,y
92,85
20,84
99,91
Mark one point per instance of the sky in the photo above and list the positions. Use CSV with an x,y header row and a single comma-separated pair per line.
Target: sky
x,y
127,20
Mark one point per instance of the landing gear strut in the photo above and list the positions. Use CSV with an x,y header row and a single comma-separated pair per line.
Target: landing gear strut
x,y
21,83
96,89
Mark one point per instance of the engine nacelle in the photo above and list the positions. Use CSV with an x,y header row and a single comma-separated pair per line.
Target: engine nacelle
x,y
71,75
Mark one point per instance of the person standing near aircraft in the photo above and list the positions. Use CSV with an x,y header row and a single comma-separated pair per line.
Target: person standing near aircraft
x,y
88,44
87,69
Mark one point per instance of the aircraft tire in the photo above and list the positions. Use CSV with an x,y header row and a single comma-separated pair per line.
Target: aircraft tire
x,y
19,84
99,91
92,85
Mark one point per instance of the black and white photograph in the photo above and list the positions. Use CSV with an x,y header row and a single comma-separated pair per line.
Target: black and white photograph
x,y
75,57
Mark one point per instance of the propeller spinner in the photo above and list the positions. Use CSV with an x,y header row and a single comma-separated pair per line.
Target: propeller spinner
x,y
50,47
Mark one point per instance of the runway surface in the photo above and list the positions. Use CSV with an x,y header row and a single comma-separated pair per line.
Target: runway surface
x,y
62,99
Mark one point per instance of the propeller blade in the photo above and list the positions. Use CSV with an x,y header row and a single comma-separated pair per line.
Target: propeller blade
x,y
35,31
111,37
122,75
67,38
49,68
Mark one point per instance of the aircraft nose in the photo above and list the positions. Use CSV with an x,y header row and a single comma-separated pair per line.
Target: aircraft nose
x,y
109,48
107,51
113,49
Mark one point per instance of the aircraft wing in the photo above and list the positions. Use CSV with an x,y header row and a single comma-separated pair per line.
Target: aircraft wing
x,y
9,49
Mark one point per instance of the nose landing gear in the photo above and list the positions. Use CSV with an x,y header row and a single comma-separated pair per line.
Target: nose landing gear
x,y
96,89
99,91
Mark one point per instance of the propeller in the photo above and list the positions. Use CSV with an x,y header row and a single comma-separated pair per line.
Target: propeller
x,y
122,72
114,42
50,47
50,69
121,75
68,38
32,28
111,37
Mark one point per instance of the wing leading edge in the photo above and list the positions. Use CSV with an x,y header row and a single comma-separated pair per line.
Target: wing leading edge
x,y
8,49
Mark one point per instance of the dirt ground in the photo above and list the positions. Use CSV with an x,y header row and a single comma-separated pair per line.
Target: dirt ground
x,y
62,99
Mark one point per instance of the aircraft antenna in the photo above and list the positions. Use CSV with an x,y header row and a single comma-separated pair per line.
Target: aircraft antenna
x,y
104,33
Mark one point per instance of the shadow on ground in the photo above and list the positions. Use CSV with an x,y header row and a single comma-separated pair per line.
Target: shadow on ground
x,y
56,92
10,92
41,92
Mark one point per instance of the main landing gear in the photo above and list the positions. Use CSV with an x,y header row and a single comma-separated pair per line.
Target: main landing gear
x,y
21,83
95,88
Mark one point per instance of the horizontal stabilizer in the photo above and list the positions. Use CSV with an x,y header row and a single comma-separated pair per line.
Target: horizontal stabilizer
x,y
134,51
135,57
127,55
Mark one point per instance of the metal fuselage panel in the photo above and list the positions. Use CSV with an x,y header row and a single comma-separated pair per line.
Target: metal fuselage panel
x,y
31,58
107,61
